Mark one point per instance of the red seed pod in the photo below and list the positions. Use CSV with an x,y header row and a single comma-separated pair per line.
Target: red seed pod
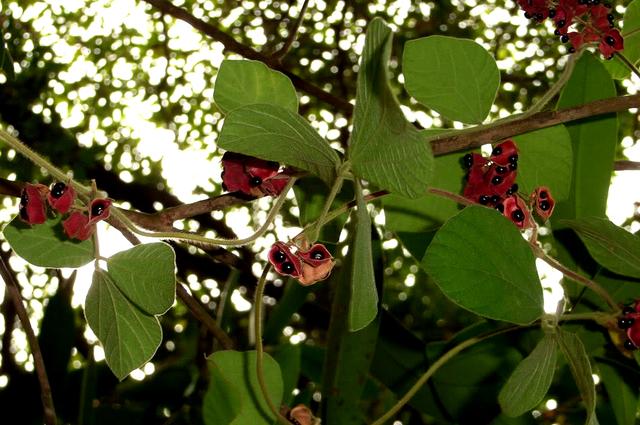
x,y
252,176
300,415
284,261
610,43
61,197
316,255
33,209
505,154
498,180
99,210
633,333
543,202
515,209
77,226
474,187
317,264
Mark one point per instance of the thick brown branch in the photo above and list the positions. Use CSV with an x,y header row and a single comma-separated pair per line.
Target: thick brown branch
x,y
45,389
471,138
232,45
626,165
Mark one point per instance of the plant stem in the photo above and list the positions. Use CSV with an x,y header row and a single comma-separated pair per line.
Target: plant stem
x,y
433,369
259,349
335,188
555,89
49,411
577,278
293,32
628,63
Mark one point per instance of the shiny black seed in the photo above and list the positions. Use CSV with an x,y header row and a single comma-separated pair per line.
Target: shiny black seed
x,y
23,213
561,23
224,187
513,166
572,50
279,257
287,267
556,31
543,194
564,38
544,205
500,208
610,40
513,189
610,17
58,189
496,180
517,216
484,199
317,255
527,15
513,159
255,181
496,151
539,16
594,2
97,210
495,199
629,345
467,160
552,13
582,1
501,170
24,198
625,322
628,310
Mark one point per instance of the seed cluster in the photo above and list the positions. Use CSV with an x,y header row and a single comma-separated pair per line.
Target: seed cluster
x,y
252,176
308,266
630,323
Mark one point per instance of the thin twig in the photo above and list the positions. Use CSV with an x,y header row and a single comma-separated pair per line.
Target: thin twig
x,y
626,165
45,388
293,32
627,63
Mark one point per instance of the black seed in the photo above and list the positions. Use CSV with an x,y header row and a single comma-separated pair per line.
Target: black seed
x,y
582,1
543,194
628,310
97,210
500,208
317,255
572,50
594,2
527,15
501,170
484,199
58,189
23,213
513,189
610,17
517,215
513,159
467,160
513,166
544,205
552,13
539,16
564,38
224,187
24,198
496,180
495,199
607,5
629,345
287,267
561,23
625,322
496,151
556,31
279,257
610,40
255,181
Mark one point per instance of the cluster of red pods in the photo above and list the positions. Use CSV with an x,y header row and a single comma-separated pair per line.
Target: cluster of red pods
x,y
491,181
578,22
630,323
81,221
308,266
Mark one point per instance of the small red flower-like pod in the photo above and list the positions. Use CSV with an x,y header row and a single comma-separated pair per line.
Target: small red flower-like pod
x,y
99,209
61,197
274,186
284,261
498,180
475,177
505,154
515,209
234,177
543,202
260,170
33,209
316,255
633,335
317,264
77,226
610,43
250,175
300,415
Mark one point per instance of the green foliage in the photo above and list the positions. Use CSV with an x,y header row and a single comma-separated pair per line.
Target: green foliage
x,y
46,245
129,336
529,383
146,276
236,395
274,133
385,148
456,77
245,82
623,394
502,282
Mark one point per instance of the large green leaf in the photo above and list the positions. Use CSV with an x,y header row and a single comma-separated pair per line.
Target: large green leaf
x,y
288,357
529,383
385,148
363,303
631,24
594,141
146,275
611,246
274,133
129,336
456,77
622,391
222,402
46,245
6,61
239,370
481,262
545,160
244,82
578,361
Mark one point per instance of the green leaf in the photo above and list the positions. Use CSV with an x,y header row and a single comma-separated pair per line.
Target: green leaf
x,y
245,82
288,357
545,159
385,148
239,368
274,133
363,304
528,384
481,262
578,361
129,336
6,61
456,77
146,275
594,141
611,246
631,23
622,391
222,402
46,245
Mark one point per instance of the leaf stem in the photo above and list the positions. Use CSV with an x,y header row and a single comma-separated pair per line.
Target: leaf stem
x,y
335,188
13,288
293,32
259,348
555,89
434,368
628,63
